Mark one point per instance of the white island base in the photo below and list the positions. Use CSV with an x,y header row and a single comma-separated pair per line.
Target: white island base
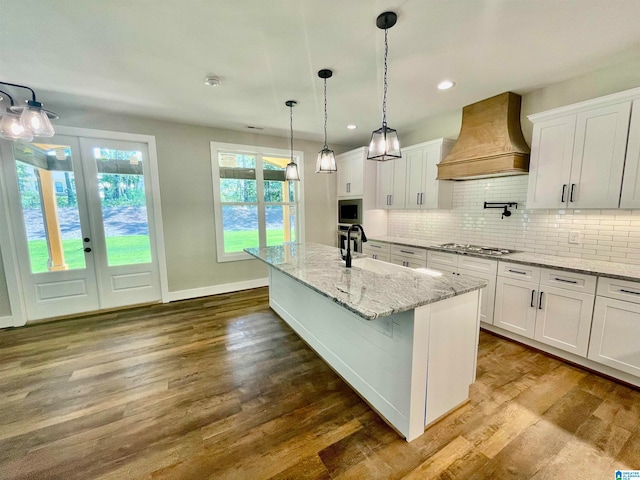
x,y
411,367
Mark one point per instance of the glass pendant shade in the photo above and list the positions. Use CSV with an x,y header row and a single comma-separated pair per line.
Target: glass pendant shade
x,y
35,119
11,128
291,172
384,145
326,161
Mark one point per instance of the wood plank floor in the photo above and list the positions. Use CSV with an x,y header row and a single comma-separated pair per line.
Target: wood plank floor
x,y
220,387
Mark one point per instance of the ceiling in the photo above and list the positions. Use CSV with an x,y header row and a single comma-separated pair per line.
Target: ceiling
x,y
150,57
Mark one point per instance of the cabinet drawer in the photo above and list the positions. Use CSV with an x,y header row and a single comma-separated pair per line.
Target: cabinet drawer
x,y
376,247
383,257
477,264
409,252
442,258
619,289
519,272
408,262
578,282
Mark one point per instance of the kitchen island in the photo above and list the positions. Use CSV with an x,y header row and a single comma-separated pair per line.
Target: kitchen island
x,y
405,340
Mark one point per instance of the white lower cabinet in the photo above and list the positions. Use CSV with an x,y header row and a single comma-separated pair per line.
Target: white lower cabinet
x,y
412,257
377,250
473,267
615,332
550,306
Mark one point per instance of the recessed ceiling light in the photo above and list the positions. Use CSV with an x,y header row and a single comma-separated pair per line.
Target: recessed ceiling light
x,y
212,81
446,85
352,126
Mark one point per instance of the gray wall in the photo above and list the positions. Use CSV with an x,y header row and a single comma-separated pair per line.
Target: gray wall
x,y
184,164
596,84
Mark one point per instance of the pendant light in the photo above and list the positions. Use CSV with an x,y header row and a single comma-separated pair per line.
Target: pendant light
x,y
10,126
33,118
384,141
291,172
326,159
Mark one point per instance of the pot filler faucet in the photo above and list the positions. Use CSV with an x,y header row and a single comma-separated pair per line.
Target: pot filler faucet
x,y
347,257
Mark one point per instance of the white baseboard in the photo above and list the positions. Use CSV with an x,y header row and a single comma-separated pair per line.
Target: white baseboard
x,y
10,321
217,289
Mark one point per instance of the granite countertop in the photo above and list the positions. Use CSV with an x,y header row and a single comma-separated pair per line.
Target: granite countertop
x,y
370,295
601,268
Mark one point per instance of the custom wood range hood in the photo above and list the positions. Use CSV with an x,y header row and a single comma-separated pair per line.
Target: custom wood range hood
x,y
490,143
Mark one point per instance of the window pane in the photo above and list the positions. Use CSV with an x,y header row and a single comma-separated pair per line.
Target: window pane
x,y
47,188
242,191
124,206
240,224
276,189
281,224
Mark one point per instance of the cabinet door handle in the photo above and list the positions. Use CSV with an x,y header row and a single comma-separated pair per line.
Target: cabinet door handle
x,y
422,199
565,281
573,185
517,271
390,199
405,251
374,246
533,294
629,291
564,191
540,301
417,199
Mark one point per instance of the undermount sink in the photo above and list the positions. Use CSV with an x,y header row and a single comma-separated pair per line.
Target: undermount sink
x,y
385,268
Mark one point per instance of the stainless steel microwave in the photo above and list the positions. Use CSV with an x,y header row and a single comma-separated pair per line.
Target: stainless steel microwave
x,y
350,211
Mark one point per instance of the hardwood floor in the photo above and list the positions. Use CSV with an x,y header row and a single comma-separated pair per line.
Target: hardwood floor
x,y
220,387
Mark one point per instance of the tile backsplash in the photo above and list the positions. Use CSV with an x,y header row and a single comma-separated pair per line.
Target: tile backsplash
x,y
611,235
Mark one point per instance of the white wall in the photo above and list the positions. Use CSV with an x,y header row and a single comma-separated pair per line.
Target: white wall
x,y
612,235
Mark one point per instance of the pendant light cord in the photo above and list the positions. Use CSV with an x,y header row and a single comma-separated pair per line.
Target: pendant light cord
x,y
291,127
325,114
384,94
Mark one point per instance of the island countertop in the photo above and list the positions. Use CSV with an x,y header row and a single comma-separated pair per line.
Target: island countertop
x,y
369,294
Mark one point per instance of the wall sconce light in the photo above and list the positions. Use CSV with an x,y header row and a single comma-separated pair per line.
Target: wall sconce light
x,y
33,120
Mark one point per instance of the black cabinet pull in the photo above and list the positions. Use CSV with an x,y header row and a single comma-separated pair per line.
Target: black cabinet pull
x,y
565,281
405,251
629,291
540,301
573,185
564,190
533,294
517,271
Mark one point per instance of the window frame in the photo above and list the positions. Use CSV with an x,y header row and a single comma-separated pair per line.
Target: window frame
x,y
259,152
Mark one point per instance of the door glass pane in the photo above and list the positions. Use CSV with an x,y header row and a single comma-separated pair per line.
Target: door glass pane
x,y
47,188
240,225
281,224
124,206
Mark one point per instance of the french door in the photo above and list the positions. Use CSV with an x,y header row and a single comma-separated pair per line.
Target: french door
x,y
82,216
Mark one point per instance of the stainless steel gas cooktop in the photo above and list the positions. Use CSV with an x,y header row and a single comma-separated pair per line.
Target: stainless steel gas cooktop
x,y
463,248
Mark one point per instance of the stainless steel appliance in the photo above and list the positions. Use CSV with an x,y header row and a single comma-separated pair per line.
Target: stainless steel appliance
x,y
356,238
350,211
465,248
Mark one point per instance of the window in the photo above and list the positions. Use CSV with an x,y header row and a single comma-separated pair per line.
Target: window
x,y
254,204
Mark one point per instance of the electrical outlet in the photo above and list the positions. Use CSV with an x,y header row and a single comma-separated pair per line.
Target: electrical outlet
x,y
574,237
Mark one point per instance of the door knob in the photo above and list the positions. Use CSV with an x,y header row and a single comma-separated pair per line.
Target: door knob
x,y
87,249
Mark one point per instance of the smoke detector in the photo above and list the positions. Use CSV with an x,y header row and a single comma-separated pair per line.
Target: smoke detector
x,y
212,81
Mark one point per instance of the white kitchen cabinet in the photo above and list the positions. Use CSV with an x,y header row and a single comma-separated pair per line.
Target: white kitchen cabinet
x,y
616,326
578,154
392,184
423,190
412,257
350,174
473,267
551,306
631,180
377,250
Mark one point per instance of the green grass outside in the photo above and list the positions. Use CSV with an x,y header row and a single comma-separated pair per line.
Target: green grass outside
x,y
120,251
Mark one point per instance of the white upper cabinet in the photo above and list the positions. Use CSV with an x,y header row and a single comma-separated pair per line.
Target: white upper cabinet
x,y
392,184
350,173
631,182
423,190
578,153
